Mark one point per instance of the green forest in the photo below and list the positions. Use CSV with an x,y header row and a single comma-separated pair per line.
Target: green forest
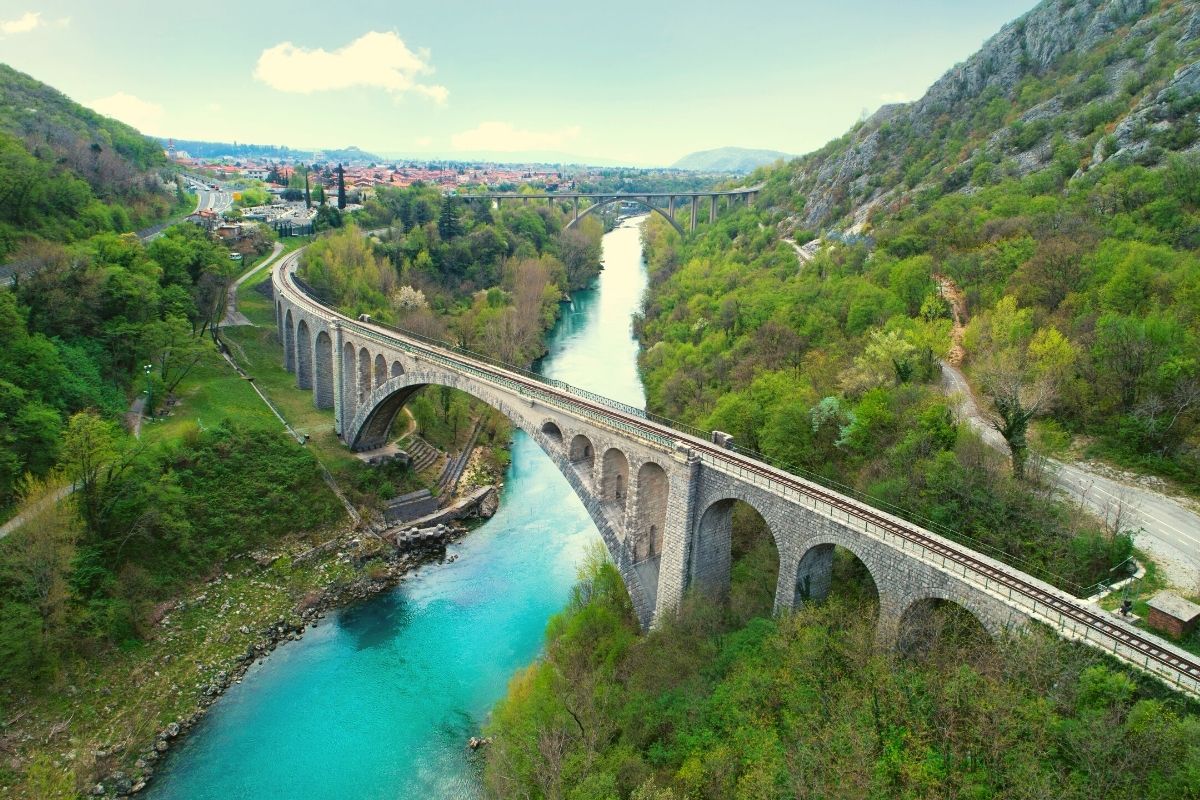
x,y
722,701
488,280
68,173
100,321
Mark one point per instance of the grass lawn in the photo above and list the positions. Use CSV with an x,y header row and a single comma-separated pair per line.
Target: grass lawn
x,y
211,393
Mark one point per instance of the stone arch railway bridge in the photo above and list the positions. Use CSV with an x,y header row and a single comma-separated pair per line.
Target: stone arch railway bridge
x,y
672,201
662,495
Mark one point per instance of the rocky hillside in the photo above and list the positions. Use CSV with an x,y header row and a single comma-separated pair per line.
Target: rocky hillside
x,y
1071,84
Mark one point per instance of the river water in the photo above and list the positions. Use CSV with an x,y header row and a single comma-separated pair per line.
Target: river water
x,y
379,700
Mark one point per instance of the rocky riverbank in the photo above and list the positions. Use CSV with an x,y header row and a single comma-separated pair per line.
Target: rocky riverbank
x,y
379,559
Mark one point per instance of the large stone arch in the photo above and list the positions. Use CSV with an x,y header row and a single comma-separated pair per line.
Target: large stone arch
x,y
289,342
710,561
323,377
811,578
610,200
371,424
709,558
304,356
997,626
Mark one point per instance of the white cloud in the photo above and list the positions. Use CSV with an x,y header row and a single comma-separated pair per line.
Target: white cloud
x,y
22,24
380,60
503,137
895,97
141,114
424,141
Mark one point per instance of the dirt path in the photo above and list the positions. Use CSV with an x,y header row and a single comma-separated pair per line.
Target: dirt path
x,y
19,520
958,310
804,252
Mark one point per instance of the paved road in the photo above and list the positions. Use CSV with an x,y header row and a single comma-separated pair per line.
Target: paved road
x,y
19,520
232,315
1166,528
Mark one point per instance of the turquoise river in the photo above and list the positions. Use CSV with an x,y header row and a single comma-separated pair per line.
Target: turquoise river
x,y
379,699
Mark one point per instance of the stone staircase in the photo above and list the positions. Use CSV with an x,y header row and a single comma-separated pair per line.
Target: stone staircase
x,y
423,454
452,472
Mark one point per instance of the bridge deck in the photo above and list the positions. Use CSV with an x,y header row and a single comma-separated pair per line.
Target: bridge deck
x,y
741,190
1069,616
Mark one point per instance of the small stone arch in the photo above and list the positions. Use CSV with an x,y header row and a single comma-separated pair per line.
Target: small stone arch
x,y
650,519
289,342
583,458
364,375
914,622
380,370
711,560
349,387
614,477
304,356
323,379
397,370
553,432
815,571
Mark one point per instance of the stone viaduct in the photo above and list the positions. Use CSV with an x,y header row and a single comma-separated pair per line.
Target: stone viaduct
x,y
662,498
672,201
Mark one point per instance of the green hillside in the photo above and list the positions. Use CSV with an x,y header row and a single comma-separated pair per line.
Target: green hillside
x,y
1049,183
67,173
1036,215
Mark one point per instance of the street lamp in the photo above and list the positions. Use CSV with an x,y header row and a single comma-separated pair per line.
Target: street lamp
x,y
149,390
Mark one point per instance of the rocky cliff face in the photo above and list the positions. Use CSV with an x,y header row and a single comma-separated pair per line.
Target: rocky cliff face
x,y
1073,82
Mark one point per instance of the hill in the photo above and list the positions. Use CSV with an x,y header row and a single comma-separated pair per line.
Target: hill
x,y
1036,215
729,159
1065,88
67,172
237,150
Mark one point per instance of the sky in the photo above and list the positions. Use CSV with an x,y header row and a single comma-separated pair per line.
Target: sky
x,y
639,83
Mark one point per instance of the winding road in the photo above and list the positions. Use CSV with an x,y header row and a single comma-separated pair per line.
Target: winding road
x,y
1165,527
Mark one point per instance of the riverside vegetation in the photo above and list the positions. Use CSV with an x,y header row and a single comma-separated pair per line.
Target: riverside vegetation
x,y
1049,182
99,650
457,271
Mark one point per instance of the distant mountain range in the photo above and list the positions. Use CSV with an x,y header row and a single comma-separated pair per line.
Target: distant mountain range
x,y
199,149
729,159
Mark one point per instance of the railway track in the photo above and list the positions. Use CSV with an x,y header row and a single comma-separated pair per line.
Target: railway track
x,y
1041,601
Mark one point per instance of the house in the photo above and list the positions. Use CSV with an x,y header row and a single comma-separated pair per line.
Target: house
x,y
1172,614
